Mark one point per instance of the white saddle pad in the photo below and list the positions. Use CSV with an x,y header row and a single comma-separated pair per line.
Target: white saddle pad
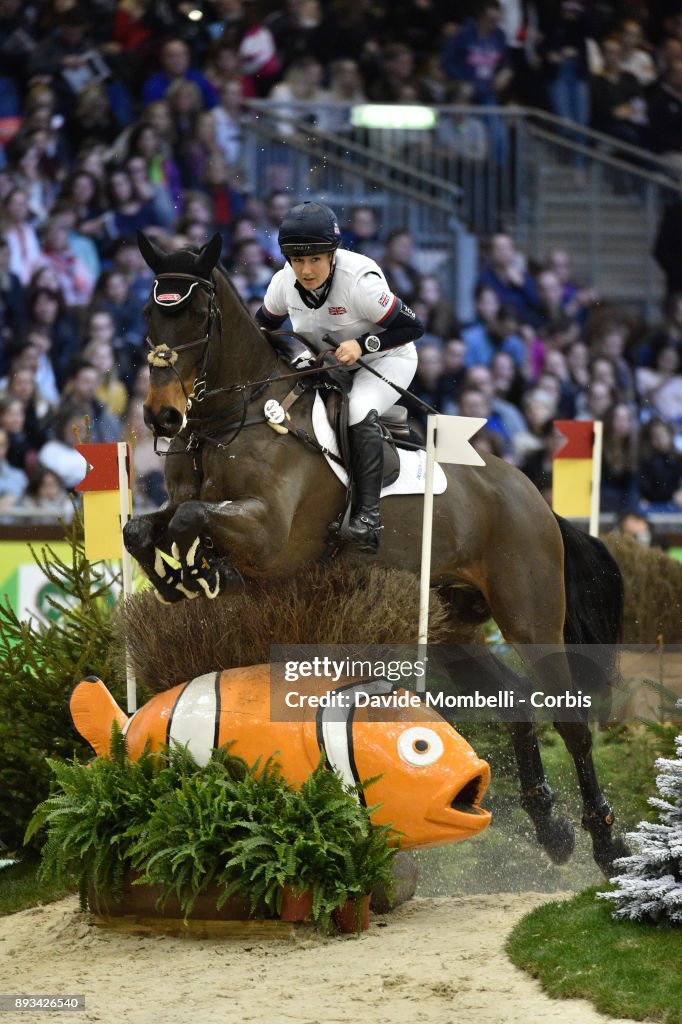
x,y
412,477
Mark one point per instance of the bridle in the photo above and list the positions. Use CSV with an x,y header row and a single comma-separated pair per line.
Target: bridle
x,y
164,357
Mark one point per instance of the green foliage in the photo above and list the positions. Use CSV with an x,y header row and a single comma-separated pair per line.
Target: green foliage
x,y
183,828
577,951
666,725
321,839
39,665
340,854
20,887
187,841
92,817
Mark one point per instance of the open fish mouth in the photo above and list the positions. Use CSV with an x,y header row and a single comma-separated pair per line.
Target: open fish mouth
x,y
454,811
467,799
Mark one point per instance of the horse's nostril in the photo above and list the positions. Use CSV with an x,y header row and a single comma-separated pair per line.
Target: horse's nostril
x,y
166,422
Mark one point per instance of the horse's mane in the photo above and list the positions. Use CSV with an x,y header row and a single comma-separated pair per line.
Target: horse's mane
x,y
221,270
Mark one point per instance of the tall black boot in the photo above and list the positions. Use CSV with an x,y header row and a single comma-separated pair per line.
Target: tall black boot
x,y
367,458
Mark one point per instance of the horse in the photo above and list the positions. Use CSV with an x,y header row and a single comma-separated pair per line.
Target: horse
x,y
247,501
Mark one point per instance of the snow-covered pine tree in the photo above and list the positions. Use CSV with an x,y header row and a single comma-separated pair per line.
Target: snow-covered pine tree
x,y
650,888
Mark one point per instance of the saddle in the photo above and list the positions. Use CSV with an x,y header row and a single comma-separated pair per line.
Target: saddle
x,y
393,427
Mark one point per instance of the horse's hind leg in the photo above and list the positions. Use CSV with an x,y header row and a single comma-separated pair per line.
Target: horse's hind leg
x,y
532,624
527,602
598,818
553,832
476,669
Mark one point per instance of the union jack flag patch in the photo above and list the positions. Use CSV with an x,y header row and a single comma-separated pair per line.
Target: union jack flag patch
x,y
336,310
384,299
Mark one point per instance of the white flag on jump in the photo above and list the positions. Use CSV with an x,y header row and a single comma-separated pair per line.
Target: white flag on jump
x,y
447,440
451,439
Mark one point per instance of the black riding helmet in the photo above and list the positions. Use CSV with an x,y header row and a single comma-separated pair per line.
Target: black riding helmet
x,y
309,229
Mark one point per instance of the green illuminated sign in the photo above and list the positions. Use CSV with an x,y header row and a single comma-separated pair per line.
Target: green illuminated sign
x,y
393,115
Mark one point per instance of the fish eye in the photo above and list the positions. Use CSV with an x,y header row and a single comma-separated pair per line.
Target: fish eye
x,y
420,746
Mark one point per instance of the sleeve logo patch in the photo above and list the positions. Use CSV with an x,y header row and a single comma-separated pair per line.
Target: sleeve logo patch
x,y
384,299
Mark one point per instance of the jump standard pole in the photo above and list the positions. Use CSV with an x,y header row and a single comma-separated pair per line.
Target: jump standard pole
x,y
107,505
447,440
576,471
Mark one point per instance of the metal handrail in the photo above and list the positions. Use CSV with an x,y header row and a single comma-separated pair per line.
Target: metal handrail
x,y
308,145
606,158
453,193
661,175
640,154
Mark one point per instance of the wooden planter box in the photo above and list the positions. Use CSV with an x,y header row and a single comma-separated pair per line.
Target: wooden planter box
x,y
136,912
141,900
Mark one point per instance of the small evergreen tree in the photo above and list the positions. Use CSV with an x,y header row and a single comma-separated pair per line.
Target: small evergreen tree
x,y
650,889
40,663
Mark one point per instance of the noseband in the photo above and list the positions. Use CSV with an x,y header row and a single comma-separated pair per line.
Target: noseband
x,y
163,355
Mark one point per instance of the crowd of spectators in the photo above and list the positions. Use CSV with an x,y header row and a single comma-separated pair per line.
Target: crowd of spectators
x,y
544,348
120,116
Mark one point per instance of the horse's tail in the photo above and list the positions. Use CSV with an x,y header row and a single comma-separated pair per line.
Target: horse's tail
x,y
594,589
594,597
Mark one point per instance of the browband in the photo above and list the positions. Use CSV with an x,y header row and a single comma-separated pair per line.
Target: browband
x,y
174,299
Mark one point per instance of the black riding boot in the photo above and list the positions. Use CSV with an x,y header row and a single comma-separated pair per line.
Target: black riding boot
x,y
367,458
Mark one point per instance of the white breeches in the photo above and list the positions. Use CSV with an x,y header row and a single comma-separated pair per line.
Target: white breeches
x,y
368,392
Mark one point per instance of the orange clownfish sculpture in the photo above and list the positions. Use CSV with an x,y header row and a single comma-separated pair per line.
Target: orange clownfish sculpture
x,y
431,780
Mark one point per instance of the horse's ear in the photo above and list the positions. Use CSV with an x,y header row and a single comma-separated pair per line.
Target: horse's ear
x,y
151,254
209,255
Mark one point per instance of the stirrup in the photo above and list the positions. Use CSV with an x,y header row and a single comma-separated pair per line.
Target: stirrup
x,y
363,529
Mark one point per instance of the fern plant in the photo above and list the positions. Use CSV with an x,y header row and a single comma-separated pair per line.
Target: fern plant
x,y
183,828
91,819
341,854
319,839
186,843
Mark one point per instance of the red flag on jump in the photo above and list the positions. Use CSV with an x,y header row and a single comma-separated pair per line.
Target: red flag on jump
x,y
102,500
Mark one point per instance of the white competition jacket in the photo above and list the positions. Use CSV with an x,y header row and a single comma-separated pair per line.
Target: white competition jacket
x,y
358,301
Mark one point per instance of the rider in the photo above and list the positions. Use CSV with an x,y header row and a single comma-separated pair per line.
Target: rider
x,y
342,298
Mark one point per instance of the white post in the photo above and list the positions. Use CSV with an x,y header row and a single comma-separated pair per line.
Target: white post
x,y
451,445
124,485
595,497
427,533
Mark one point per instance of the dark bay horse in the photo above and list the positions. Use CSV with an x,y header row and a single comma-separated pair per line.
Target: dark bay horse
x,y
246,501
